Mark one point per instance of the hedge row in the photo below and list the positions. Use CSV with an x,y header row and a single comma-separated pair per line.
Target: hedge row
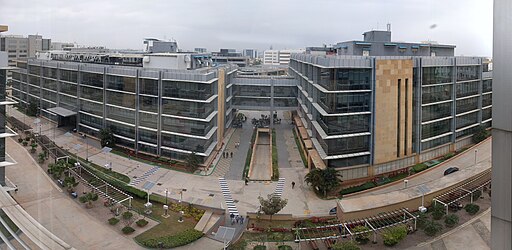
x,y
354,189
180,239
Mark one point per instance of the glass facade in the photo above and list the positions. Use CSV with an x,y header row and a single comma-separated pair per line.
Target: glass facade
x,y
436,111
186,90
466,120
467,89
345,103
341,79
466,73
437,93
467,104
437,75
333,125
436,128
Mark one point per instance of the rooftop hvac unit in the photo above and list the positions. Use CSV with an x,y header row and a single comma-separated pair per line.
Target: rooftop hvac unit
x,y
145,59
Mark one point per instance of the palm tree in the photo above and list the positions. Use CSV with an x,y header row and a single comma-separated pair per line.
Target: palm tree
x,y
323,180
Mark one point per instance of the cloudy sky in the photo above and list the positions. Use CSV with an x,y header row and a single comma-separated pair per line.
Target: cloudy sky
x,y
257,24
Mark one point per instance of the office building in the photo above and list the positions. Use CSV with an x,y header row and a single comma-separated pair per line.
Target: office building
x,y
62,46
230,56
21,48
200,50
4,131
363,115
278,57
251,53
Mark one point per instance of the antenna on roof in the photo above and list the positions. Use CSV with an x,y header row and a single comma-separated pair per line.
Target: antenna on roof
x,y
389,26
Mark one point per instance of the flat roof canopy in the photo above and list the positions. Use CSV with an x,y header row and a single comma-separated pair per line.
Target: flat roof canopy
x,y
62,111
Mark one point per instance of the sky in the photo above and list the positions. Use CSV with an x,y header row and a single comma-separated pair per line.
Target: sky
x,y
259,24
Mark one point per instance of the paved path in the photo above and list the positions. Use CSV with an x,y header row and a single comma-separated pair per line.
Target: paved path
x,y
46,202
262,159
474,234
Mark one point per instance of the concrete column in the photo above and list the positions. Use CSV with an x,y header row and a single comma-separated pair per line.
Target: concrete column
x,y
502,127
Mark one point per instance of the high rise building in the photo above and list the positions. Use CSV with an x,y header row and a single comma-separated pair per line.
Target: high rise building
x,y
21,48
251,53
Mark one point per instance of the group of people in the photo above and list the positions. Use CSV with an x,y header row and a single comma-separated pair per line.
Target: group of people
x,y
227,154
236,219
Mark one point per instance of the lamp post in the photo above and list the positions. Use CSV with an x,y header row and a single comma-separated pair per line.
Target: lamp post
x,y
476,151
166,206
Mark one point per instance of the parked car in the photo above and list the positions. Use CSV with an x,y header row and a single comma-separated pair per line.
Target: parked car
x,y
451,170
333,211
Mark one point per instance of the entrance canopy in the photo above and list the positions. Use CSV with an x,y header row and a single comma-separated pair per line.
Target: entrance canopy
x,y
62,111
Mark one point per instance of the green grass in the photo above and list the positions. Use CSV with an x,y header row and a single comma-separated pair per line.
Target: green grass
x,y
168,227
275,164
302,156
99,170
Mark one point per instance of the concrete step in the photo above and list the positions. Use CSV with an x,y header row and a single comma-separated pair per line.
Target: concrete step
x,y
203,221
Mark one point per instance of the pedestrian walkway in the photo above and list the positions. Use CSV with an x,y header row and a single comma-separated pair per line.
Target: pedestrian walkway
x,y
474,234
230,203
148,173
279,188
224,163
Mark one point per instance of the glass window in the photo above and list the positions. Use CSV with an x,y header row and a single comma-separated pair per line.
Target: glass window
x,y
121,114
487,85
186,143
344,79
188,109
186,90
436,142
32,69
49,84
90,107
69,75
50,72
121,99
344,124
68,88
436,111
148,120
92,79
259,91
354,161
436,93
467,104
436,128
148,103
345,145
486,114
91,93
345,103
122,83
148,136
466,73
122,130
466,120
148,86
486,100
186,126
90,120
436,75
467,89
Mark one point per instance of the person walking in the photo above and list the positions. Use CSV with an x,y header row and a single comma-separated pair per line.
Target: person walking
x,y
231,154
293,184
232,216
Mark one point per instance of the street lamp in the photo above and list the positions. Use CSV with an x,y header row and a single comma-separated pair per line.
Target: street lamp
x,y
476,151
166,207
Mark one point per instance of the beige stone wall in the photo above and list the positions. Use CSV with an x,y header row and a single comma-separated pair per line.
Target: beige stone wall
x,y
393,125
221,85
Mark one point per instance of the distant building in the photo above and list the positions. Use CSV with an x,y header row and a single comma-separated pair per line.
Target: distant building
x,y
251,53
200,50
278,57
230,56
21,48
61,46
325,50
153,45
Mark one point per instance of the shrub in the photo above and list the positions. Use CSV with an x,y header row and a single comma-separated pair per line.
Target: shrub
x,y
127,215
345,245
394,235
284,247
27,139
355,189
472,208
113,221
422,220
128,230
260,247
476,194
431,227
182,238
141,222
363,234
419,167
438,211
25,143
448,156
451,220
20,140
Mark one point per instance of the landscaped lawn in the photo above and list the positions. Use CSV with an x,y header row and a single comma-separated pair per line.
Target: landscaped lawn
x,y
167,227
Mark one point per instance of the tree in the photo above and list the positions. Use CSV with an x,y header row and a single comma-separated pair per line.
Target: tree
x,y
70,183
107,137
480,134
272,205
323,180
41,157
88,198
192,161
33,147
58,168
